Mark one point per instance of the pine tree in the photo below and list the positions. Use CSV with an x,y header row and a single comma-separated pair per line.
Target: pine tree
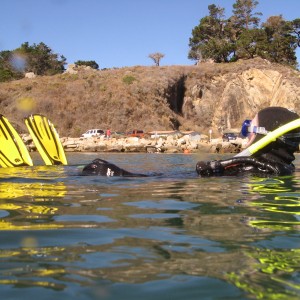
x,y
243,15
281,42
209,39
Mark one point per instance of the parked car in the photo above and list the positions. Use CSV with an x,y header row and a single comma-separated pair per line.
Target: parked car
x,y
136,133
117,133
93,132
229,136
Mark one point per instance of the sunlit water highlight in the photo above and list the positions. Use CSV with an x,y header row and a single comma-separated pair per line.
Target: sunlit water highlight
x,y
169,236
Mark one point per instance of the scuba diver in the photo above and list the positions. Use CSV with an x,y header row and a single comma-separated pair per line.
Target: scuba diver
x,y
274,137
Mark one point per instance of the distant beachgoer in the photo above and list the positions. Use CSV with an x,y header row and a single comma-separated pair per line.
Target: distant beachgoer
x,y
108,133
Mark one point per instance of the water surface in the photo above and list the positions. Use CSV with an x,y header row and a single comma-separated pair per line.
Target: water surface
x,y
169,236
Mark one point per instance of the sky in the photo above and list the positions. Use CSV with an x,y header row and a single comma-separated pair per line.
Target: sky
x,y
117,33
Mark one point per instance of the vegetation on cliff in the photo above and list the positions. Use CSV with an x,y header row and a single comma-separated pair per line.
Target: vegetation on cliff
x,y
38,59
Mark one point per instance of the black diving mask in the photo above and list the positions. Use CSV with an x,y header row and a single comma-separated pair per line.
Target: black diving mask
x,y
247,128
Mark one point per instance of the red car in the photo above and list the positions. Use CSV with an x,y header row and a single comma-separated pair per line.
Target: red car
x,y
136,133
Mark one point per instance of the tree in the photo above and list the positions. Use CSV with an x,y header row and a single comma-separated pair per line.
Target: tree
x,y
241,37
157,56
251,43
88,63
296,30
243,15
8,69
41,60
210,38
242,26
36,58
281,40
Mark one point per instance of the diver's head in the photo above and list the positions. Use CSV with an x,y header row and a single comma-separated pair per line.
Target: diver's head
x,y
269,119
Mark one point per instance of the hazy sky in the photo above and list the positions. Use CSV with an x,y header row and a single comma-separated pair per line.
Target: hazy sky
x,y
117,33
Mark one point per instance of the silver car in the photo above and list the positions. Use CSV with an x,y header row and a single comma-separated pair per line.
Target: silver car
x,y
93,132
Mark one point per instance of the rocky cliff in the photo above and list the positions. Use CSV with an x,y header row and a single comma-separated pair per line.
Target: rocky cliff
x,y
236,94
202,97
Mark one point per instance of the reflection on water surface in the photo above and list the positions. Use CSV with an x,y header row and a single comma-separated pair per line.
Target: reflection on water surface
x,y
170,236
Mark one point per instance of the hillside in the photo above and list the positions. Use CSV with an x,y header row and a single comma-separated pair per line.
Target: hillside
x,y
202,97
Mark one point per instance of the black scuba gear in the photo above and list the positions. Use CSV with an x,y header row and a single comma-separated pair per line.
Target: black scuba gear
x,y
274,159
239,165
281,150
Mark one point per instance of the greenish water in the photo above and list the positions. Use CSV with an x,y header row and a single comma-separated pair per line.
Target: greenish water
x,y
174,236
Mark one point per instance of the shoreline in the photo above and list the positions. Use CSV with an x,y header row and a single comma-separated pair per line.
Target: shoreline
x,y
169,144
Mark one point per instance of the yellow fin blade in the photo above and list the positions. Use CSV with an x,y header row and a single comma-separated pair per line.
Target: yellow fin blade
x,y
13,151
46,140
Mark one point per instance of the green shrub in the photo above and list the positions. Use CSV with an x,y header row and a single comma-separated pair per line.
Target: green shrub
x,y
7,75
128,79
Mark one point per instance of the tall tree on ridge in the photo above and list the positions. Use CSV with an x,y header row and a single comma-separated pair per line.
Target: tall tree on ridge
x,y
210,39
243,15
281,40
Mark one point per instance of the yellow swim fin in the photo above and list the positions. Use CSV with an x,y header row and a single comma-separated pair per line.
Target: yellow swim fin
x,y
46,140
13,152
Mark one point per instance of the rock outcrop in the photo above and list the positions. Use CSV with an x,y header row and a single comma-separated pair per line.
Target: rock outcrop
x,y
230,98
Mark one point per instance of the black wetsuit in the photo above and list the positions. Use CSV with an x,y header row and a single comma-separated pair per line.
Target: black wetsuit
x,y
274,159
243,165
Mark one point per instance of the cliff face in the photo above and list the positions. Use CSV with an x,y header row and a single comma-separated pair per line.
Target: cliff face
x,y
203,97
231,97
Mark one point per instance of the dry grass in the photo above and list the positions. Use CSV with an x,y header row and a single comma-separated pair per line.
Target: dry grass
x,y
148,98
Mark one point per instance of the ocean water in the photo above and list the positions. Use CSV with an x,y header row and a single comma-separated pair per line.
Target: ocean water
x,y
172,235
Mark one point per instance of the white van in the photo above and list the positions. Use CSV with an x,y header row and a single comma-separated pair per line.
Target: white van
x,y
93,132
